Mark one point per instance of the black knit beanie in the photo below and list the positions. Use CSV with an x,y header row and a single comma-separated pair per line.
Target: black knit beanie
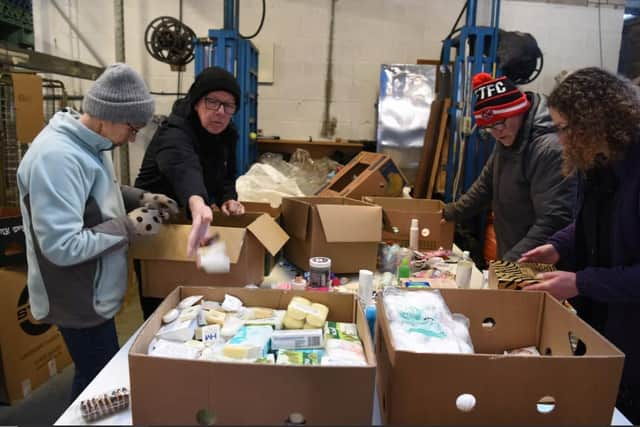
x,y
212,79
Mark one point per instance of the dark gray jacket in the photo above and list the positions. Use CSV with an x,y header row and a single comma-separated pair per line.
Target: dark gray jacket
x,y
524,186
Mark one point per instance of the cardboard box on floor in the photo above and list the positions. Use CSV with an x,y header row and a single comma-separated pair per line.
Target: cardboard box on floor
x,y
165,265
367,174
398,212
12,248
174,391
347,231
419,388
32,352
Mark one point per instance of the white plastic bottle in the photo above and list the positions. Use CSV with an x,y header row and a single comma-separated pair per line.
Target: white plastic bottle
x,y
414,235
463,271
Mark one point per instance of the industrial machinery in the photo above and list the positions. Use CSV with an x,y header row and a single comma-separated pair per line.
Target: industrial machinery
x,y
170,41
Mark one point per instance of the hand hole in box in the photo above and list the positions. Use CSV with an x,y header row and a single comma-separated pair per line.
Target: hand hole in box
x,y
578,347
546,404
384,402
488,323
425,232
295,419
206,417
466,402
547,352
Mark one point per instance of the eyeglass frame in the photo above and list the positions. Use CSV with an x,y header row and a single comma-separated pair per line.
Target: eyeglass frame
x,y
210,104
134,130
498,126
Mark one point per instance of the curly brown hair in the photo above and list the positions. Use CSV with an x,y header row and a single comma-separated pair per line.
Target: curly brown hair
x,y
603,116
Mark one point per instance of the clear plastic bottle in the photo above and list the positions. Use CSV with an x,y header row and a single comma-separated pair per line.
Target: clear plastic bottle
x,y
463,271
414,235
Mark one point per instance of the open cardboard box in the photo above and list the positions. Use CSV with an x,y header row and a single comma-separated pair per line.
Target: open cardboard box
x,y
347,231
31,352
175,391
397,212
165,265
419,388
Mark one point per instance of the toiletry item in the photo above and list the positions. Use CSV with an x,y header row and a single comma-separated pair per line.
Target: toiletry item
x,y
463,271
404,271
414,235
319,272
365,287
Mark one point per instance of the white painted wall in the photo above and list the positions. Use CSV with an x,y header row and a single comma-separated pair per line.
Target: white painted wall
x,y
368,33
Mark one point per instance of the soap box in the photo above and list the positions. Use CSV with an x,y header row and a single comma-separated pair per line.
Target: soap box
x,y
181,392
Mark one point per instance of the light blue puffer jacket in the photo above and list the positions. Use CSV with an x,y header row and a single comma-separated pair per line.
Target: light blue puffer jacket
x,y
75,224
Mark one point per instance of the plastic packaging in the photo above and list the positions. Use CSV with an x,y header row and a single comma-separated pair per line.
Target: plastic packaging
x,y
414,235
319,272
421,321
104,404
463,271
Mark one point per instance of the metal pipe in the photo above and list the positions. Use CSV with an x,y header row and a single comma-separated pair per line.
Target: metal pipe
x,y
80,36
121,156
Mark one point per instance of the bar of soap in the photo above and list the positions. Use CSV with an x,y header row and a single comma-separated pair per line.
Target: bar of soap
x,y
189,313
189,301
214,317
319,315
290,323
298,308
240,351
170,316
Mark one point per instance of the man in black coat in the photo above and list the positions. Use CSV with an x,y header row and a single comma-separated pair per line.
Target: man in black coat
x,y
191,157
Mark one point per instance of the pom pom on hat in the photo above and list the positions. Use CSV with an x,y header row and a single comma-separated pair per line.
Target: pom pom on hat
x,y
496,99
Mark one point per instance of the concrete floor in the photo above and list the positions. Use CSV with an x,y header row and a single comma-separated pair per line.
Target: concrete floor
x,y
45,404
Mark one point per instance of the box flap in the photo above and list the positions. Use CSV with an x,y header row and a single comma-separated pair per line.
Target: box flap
x,y
171,243
269,233
295,215
344,223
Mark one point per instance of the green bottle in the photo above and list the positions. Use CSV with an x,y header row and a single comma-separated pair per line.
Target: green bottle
x,y
404,271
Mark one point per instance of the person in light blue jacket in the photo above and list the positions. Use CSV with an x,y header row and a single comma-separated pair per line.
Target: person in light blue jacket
x,y
75,217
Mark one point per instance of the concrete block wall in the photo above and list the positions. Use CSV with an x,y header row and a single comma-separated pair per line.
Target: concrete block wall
x,y
367,33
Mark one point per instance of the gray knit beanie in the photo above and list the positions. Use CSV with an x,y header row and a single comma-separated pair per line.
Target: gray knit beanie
x,y
119,95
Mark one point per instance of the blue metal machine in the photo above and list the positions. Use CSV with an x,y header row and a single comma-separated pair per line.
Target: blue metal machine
x,y
471,51
227,49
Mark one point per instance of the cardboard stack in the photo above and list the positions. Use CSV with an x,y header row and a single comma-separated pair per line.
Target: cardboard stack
x,y
553,389
367,174
164,263
178,391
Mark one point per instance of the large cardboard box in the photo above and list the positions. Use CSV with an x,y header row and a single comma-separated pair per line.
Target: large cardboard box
x,y
12,246
275,213
419,388
345,230
165,265
367,174
174,391
32,352
397,213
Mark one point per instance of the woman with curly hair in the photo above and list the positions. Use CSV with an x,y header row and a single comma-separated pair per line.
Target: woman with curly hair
x,y
597,115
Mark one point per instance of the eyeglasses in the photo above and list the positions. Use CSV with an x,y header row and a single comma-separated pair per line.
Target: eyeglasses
x,y
134,130
497,126
214,105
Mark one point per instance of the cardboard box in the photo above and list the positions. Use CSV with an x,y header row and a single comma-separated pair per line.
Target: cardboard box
x,y
12,246
164,263
419,388
514,275
345,230
275,213
32,352
398,212
367,174
173,391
